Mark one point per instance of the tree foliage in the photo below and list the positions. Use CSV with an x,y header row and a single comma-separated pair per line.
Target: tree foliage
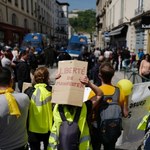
x,y
85,22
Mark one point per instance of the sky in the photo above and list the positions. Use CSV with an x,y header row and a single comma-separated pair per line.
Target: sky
x,y
80,4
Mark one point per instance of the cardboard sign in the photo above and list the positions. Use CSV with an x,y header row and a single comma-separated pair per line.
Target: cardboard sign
x,y
68,89
25,86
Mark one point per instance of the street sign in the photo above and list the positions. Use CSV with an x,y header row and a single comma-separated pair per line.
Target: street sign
x,y
145,22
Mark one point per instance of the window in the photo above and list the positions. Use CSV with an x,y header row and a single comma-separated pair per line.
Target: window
x,y
35,11
15,38
22,4
122,9
14,19
34,26
62,15
16,2
1,36
27,5
140,3
25,23
32,7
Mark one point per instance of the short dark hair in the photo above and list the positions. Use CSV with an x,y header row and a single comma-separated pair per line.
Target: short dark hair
x,y
106,72
5,76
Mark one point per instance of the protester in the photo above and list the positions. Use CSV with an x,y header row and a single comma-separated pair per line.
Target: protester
x,y
95,70
49,56
105,113
56,141
32,60
40,110
15,53
10,65
97,53
144,70
126,58
23,69
13,112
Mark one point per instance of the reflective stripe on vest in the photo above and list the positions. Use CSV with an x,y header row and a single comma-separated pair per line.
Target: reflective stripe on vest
x,y
37,101
142,124
85,138
52,146
54,136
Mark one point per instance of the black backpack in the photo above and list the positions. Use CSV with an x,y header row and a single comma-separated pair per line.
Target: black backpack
x,y
69,132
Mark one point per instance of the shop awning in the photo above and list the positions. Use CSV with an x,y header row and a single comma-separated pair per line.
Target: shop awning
x,y
116,32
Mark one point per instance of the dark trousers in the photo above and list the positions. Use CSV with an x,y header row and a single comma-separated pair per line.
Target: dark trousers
x,y
35,140
95,139
109,146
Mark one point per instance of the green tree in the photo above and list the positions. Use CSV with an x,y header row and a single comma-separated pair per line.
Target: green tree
x,y
85,22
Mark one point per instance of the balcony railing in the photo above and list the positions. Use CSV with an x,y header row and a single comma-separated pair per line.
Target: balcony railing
x,y
139,11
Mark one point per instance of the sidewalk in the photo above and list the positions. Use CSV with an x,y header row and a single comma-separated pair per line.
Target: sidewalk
x,y
131,75
118,76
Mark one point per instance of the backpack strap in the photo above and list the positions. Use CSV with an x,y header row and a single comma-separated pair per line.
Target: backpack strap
x,y
114,97
77,115
63,117
29,91
61,112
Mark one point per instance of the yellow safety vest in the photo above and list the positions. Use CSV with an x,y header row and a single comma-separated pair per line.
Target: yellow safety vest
x,y
83,126
142,124
40,110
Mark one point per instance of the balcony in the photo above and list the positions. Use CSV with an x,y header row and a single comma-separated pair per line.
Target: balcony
x,y
139,11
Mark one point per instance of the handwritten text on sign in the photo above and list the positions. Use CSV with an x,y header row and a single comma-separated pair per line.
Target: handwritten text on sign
x,y
69,73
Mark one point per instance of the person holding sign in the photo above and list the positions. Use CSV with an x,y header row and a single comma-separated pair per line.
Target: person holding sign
x,y
70,130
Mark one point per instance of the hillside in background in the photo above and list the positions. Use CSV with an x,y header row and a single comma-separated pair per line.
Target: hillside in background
x,y
85,22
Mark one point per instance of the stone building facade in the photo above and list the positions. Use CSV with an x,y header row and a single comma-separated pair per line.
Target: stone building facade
x,y
119,24
18,17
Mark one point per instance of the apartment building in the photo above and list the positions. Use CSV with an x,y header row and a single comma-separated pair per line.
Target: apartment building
x,y
18,17
119,24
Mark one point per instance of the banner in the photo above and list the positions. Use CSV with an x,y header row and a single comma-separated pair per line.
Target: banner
x,y
68,89
139,104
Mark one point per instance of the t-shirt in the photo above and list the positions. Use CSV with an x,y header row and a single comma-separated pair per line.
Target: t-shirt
x,y
109,90
13,133
7,64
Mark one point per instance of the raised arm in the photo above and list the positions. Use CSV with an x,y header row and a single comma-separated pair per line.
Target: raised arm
x,y
98,93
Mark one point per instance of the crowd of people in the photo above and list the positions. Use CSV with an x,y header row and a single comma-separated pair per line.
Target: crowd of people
x,y
121,59
29,117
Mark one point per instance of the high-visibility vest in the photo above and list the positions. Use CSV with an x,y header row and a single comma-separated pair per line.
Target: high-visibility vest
x,y
40,110
83,126
143,123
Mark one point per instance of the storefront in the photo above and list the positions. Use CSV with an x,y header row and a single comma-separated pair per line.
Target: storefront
x,y
11,35
118,37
